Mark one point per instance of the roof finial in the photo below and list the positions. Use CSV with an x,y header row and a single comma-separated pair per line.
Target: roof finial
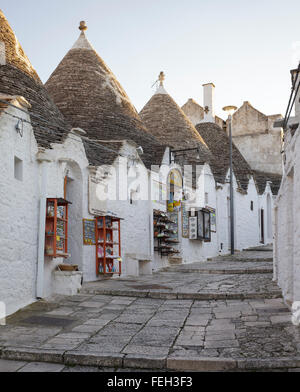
x,y
83,26
161,78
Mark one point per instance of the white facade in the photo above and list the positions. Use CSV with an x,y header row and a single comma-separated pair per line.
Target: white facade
x,y
287,217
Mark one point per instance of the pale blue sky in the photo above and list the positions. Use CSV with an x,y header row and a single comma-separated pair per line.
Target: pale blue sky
x,y
244,47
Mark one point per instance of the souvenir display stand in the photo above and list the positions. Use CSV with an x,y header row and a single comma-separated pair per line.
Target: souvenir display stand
x,y
108,246
56,241
165,234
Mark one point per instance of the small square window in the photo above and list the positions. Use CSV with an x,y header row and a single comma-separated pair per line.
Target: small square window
x,y
18,169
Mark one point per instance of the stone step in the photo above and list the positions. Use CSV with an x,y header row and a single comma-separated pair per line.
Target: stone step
x,y
219,271
259,249
203,296
175,260
130,361
245,260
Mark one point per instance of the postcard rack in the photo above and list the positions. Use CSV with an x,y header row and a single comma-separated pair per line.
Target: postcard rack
x,y
108,246
56,240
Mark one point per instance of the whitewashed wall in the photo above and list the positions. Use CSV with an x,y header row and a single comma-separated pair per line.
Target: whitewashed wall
x,y
194,251
69,159
287,228
18,213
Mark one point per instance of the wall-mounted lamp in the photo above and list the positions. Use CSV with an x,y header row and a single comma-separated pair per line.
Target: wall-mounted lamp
x,y
140,150
19,128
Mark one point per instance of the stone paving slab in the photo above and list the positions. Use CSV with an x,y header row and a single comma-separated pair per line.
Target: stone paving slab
x,y
10,366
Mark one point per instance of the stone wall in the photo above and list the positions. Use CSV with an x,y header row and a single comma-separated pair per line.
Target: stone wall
x,y
257,139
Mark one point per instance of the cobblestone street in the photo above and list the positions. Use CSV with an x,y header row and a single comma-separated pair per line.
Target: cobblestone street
x,y
175,320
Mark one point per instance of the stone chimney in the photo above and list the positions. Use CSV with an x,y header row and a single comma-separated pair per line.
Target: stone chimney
x,y
208,102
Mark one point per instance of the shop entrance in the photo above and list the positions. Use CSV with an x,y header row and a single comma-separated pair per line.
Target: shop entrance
x,y
73,192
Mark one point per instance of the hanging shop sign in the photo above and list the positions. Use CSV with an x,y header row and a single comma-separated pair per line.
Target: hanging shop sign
x,y
89,232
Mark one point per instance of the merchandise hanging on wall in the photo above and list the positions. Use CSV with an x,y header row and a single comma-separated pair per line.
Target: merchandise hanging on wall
x,y
166,233
185,221
89,231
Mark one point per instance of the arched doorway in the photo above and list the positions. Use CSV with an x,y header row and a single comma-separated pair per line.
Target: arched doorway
x,y
73,189
174,190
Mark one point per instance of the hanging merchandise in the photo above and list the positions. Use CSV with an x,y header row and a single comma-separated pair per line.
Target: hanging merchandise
x,y
165,233
171,207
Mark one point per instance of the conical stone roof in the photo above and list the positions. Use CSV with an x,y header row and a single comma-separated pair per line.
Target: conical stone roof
x,y
166,121
219,145
90,97
18,78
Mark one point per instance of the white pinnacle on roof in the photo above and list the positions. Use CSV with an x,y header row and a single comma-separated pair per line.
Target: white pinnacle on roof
x,y
161,89
83,42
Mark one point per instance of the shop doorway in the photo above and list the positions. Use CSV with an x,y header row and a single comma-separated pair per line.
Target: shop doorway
x,y
73,190
262,226
269,219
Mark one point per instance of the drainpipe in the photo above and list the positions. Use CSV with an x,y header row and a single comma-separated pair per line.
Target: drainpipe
x,y
43,160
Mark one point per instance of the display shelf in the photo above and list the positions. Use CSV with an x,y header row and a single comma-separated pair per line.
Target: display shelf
x,y
56,235
108,250
163,232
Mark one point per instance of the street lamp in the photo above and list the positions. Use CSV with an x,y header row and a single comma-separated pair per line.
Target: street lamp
x,y
230,110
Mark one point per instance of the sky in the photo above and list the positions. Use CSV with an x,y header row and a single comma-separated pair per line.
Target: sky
x,y
246,48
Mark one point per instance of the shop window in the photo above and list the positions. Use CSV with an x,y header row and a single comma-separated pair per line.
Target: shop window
x,y
18,169
204,225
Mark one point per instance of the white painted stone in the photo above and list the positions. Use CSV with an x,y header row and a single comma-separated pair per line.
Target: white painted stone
x,y
67,283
